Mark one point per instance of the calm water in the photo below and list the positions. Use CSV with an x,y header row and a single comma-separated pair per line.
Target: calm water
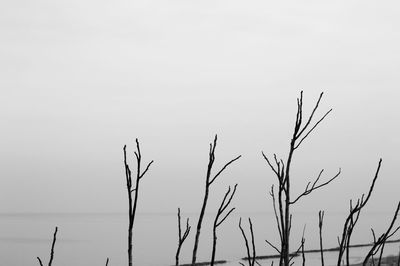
x,y
88,239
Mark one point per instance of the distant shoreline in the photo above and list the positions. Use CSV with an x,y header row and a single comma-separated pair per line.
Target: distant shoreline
x,y
263,257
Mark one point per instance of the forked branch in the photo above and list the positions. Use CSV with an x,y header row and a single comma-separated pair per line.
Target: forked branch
x,y
379,244
219,219
351,220
315,185
52,249
282,200
210,178
133,192
181,238
251,258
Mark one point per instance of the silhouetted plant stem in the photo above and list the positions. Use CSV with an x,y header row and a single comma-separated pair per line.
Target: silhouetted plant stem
x,y
133,200
218,221
379,244
302,251
52,249
209,180
40,261
351,220
107,261
283,172
251,259
320,224
181,238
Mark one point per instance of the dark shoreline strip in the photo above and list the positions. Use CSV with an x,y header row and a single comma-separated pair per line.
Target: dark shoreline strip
x,y
318,250
204,263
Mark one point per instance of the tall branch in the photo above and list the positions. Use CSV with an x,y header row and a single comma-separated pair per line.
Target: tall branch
x,y
209,180
181,238
303,127
52,249
351,220
251,258
379,244
320,224
218,220
133,199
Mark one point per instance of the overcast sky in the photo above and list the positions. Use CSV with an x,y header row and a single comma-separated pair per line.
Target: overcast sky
x,y
79,79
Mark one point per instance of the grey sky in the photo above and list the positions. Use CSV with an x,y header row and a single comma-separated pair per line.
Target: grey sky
x,y
79,79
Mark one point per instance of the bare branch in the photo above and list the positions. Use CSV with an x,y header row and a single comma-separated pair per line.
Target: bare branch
x,y
52,249
282,169
315,186
217,221
147,168
302,251
245,241
209,181
250,258
379,244
223,168
226,215
271,166
275,211
320,224
311,116
40,261
52,246
181,238
311,130
133,199
252,242
344,242
273,246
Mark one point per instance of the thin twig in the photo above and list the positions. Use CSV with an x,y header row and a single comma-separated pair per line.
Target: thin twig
x,y
315,186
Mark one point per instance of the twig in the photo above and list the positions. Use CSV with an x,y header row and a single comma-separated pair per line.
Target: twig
x,y
181,238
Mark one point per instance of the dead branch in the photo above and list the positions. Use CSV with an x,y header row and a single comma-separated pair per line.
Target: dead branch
x,y
251,259
52,249
379,244
302,251
282,170
314,186
40,261
320,224
133,199
107,261
218,220
351,220
275,213
209,180
294,254
181,238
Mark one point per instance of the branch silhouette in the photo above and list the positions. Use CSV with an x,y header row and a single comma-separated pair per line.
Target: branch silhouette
x,y
133,199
